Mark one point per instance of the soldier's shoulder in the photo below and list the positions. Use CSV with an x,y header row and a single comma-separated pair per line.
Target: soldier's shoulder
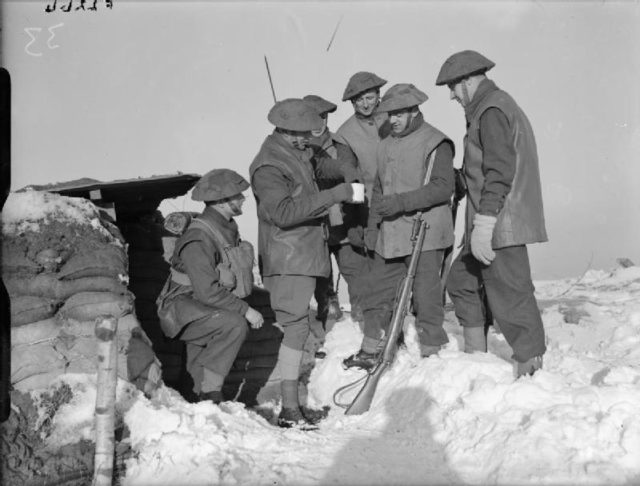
x,y
342,132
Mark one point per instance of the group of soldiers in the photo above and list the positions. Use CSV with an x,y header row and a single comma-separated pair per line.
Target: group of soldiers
x,y
307,182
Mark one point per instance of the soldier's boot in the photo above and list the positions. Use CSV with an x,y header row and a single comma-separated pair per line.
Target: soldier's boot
x,y
427,350
361,359
529,367
215,396
475,339
291,416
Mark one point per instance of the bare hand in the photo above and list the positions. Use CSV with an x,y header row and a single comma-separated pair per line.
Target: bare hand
x,y
254,317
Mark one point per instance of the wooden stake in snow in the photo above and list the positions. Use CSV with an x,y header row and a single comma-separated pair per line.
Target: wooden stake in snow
x,y
105,400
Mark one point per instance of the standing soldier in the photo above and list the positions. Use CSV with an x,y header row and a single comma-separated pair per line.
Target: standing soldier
x,y
342,218
292,236
504,213
211,270
415,174
362,132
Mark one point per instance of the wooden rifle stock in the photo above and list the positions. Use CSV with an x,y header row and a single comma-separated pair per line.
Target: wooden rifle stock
x,y
363,399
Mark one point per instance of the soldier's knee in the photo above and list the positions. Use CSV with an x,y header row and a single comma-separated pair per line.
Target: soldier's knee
x,y
295,335
235,325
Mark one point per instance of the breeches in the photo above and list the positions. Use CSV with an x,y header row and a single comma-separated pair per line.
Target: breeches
x,y
290,297
213,342
353,266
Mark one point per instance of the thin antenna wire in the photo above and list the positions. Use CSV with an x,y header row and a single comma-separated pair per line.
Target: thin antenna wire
x,y
270,80
335,31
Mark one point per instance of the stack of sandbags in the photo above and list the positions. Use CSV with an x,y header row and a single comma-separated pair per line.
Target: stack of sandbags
x,y
148,272
64,267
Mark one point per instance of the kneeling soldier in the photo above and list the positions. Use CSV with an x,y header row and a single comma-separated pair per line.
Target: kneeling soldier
x,y
211,270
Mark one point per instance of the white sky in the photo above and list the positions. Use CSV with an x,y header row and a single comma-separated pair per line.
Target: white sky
x,y
163,86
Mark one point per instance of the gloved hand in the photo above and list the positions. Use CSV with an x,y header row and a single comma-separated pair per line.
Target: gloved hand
x,y
370,239
356,236
389,206
481,238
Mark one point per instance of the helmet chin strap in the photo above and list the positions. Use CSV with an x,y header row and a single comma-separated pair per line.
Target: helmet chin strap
x,y
465,94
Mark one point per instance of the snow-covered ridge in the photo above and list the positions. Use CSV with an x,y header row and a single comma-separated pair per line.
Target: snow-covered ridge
x,y
26,211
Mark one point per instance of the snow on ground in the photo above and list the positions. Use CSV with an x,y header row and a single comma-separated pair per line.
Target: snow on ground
x,y
453,418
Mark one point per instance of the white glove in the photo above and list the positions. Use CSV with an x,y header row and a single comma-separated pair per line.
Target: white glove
x,y
254,317
481,238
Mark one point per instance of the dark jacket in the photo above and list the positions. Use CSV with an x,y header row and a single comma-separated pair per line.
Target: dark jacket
x,y
353,215
291,209
512,169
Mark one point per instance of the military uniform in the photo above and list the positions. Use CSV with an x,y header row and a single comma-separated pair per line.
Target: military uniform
x,y
362,133
196,305
292,232
350,259
504,192
403,160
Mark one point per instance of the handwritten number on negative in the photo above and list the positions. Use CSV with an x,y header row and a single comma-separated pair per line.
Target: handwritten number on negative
x,y
34,37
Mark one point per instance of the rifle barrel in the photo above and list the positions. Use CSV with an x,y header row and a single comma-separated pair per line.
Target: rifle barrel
x,y
363,399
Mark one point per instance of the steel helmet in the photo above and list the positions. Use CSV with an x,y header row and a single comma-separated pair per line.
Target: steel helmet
x,y
219,184
360,82
401,96
461,65
296,115
321,105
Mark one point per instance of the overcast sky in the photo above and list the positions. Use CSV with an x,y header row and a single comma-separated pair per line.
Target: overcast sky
x,y
158,87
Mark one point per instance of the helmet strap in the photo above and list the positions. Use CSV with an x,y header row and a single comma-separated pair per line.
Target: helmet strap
x,y
465,92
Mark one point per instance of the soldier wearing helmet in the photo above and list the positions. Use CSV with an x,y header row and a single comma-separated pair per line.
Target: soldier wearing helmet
x,y
361,133
292,214
414,174
504,213
211,272
344,218
366,127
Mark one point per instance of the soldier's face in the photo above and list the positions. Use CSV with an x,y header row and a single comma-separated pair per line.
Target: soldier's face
x,y
400,120
318,133
366,102
460,92
235,203
299,140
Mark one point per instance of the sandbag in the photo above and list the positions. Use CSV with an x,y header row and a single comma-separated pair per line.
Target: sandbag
x,y
36,332
48,285
15,260
142,365
26,309
23,364
108,261
87,306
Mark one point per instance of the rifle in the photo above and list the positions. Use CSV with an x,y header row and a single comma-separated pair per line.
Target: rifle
x,y
363,399
459,193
